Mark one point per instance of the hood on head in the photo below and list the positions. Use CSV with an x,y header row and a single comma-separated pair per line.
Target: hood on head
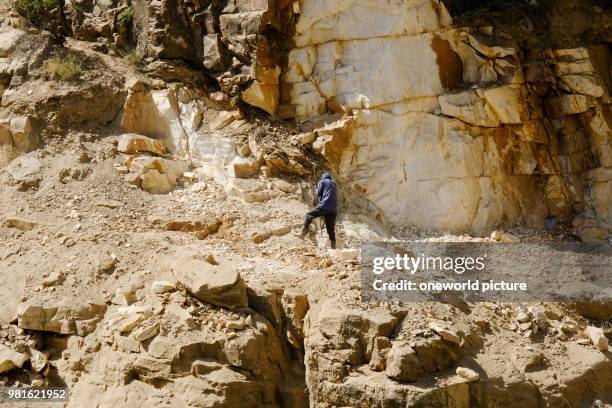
x,y
326,175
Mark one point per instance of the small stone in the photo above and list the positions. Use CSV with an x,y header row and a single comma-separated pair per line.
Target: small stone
x,y
132,143
445,333
126,324
146,332
467,373
189,176
198,187
523,317
124,296
20,223
501,236
223,119
38,360
260,237
568,327
162,286
279,230
37,382
109,203
307,138
54,278
236,324
597,337
106,265
348,254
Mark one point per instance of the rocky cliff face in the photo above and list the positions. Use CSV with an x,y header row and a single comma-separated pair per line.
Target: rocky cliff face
x,y
452,128
437,125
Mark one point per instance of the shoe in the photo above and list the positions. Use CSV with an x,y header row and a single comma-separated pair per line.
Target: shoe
x,y
301,234
333,244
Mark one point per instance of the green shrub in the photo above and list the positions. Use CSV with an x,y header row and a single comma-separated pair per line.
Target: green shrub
x,y
65,68
125,15
32,9
131,56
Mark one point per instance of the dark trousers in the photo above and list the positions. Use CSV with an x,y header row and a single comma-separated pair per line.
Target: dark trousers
x,y
330,221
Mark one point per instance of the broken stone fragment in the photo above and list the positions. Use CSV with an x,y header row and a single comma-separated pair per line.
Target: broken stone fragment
x,y
109,203
264,91
10,359
278,230
132,143
38,360
238,324
156,175
212,60
467,373
189,176
125,324
223,119
210,228
218,284
284,186
523,317
53,278
261,236
20,223
26,171
63,318
181,314
378,362
201,228
146,332
244,167
403,363
347,254
446,333
249,190
106,265
307,138
23,133
162,286
124,296
597,337
501,236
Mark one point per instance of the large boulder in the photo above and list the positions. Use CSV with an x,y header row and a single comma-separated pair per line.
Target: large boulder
x,y
215,282
156,114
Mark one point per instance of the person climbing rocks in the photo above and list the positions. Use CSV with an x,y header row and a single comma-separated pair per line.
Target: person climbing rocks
x,y
327,208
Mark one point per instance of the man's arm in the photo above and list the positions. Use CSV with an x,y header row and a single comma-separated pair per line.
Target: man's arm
x,y
320,190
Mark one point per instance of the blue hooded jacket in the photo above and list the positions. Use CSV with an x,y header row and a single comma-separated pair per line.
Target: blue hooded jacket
x,y
326,193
